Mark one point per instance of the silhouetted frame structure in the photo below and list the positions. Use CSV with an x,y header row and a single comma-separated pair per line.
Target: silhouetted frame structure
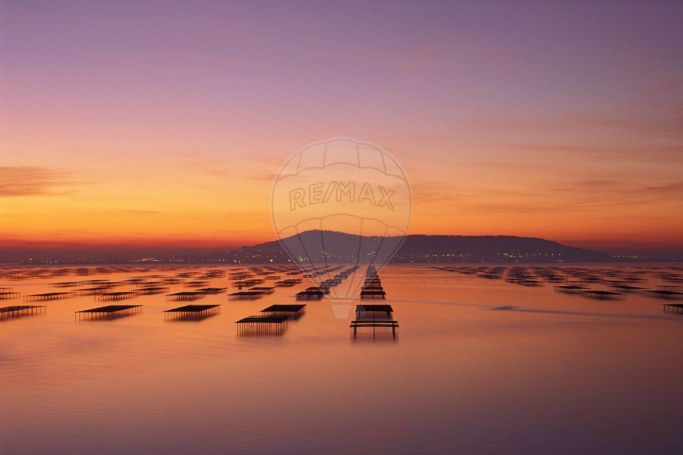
x,y
47,296
109,312
186,295
7,294
192,312
674,307
289,311
20,311
374,316
246,295
262,325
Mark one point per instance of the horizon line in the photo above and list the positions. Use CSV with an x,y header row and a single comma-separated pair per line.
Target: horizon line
x,y
185,244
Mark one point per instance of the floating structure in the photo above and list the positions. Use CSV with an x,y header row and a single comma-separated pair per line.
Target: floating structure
x,y
672,277
372,287
673,307
7,294
93,290
288,283
571,288
98,285
246,295
185,295
216,273
627,288
249,283
263,289
109,312
102,283
262,325
171,280
602,295
489,276
372,292
192,312
151,290
196,284
668,294
522,277
289,311
20,311
529,282
312,293
212,291
240,275
64,284
374,316
47,296
121,295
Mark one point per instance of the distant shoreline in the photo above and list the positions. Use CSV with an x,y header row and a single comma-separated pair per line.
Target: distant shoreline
x,y
133,263
322,246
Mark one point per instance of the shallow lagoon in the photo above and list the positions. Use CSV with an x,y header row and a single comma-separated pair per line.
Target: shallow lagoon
x,y
479,366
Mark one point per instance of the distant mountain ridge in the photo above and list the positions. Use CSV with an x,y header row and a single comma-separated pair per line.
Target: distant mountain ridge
x,y
338,247
428,249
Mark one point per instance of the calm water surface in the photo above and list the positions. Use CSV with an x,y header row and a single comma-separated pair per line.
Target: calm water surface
x,y
479,366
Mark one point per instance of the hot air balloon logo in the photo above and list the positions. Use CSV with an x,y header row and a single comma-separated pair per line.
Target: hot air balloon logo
x,y
341,207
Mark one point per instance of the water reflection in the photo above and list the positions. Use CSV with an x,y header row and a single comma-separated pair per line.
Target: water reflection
x,y
481,362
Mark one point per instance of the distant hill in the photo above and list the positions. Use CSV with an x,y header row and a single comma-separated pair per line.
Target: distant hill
x,y
342,247
320,246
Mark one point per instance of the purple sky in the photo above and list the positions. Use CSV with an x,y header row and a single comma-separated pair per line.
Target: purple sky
x,y
557,119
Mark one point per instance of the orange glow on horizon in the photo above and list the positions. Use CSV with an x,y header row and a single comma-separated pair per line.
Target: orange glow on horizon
x,y
110,133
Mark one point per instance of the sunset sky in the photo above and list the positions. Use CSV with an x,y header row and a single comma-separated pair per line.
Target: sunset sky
x,y
167,122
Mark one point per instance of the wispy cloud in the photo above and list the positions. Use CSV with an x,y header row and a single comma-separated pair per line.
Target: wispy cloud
x,y
33,181
569,196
